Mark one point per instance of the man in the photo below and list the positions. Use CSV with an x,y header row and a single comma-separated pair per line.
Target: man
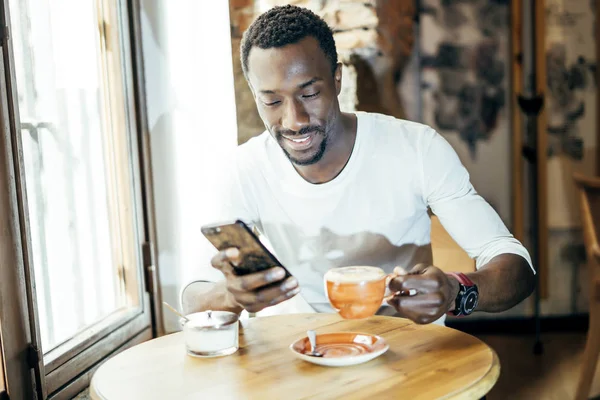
x,y
328,188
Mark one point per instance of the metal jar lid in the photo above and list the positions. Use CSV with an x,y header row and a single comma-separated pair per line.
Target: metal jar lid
x,y
211,319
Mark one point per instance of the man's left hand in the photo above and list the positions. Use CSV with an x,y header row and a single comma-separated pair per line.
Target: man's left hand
x,y
423,294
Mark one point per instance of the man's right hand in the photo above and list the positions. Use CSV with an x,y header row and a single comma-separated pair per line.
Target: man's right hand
x,y
248,291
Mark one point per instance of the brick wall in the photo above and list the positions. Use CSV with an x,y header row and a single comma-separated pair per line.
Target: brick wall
x,y
374,40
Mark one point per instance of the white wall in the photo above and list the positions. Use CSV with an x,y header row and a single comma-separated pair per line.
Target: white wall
x,y
192,121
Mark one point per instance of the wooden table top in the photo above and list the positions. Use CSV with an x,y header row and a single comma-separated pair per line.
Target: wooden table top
x,y
423,362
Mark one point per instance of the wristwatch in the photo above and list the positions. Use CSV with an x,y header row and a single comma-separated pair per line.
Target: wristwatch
x,y
468,295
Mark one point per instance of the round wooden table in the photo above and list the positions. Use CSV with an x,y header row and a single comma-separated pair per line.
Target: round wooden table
x,y
423,362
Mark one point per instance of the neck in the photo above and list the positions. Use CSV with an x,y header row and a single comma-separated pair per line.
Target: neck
x,y
337,154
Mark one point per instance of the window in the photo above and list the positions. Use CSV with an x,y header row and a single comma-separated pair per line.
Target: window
x,y
68,148
80,210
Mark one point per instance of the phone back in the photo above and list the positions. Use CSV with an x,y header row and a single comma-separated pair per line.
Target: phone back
x,y
254,255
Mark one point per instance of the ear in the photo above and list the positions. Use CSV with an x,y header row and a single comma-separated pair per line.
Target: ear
x,y
337,78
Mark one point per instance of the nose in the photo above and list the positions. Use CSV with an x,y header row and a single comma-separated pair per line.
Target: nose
x,y
295,116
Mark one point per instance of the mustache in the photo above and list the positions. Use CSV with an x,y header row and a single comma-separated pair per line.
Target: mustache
x,y
303,131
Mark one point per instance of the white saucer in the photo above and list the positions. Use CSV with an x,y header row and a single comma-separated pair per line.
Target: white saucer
x,y
341,349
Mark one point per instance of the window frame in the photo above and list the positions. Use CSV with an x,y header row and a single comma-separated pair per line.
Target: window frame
x,y
67,369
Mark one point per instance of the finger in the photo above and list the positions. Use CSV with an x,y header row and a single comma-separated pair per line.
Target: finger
x,y
223,259
401,272
398,271
422,311
390,295
256,280
418,283
283,297
389,277
256,301
426,279
394,301
429,300
264,295
418,269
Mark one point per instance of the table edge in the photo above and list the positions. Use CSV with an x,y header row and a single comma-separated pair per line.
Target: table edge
x,y
483,385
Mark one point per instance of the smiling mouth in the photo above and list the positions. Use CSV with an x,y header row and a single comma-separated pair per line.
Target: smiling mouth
x,y
301,142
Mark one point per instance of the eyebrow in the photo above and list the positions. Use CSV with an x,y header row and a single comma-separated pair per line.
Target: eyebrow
x,y
306,84
300,86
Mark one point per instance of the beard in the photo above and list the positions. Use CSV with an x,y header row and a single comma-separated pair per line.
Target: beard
x,y
312,156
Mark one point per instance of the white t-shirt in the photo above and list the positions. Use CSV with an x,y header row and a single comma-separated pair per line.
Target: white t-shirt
x,y
373,213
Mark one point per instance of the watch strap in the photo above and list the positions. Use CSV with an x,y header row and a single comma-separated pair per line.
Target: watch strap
x,y
464,281
462,278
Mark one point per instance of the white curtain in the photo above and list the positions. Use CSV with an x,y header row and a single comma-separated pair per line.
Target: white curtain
x,y
191,112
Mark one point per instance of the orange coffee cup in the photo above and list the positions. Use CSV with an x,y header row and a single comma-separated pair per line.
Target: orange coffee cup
x,y
355,292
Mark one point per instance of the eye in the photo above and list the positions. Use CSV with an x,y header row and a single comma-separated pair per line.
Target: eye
x,y
310,96
271,104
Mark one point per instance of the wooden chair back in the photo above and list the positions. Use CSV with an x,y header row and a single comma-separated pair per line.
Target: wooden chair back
x,y
589,200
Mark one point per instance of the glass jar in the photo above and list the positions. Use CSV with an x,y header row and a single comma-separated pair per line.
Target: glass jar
x,y
211,333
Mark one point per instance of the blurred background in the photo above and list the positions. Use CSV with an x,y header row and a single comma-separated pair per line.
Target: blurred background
x,y
448,64
118,118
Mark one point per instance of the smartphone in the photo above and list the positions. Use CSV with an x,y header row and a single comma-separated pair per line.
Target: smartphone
x,y
254,256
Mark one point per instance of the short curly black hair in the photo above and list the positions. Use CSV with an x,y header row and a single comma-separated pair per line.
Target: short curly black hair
x,y
285,25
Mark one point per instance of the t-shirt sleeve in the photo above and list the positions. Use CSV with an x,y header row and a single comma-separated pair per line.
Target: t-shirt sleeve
x,y
466,216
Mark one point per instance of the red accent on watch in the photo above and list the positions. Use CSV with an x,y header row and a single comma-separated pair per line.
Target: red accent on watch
x,y
462,278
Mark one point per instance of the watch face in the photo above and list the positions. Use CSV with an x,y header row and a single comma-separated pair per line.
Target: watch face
x,y
470,302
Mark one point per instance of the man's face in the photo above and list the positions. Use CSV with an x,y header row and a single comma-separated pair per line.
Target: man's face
x,y
296,96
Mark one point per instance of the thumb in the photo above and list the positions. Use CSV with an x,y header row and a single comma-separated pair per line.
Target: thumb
x,y
400,271
418,269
